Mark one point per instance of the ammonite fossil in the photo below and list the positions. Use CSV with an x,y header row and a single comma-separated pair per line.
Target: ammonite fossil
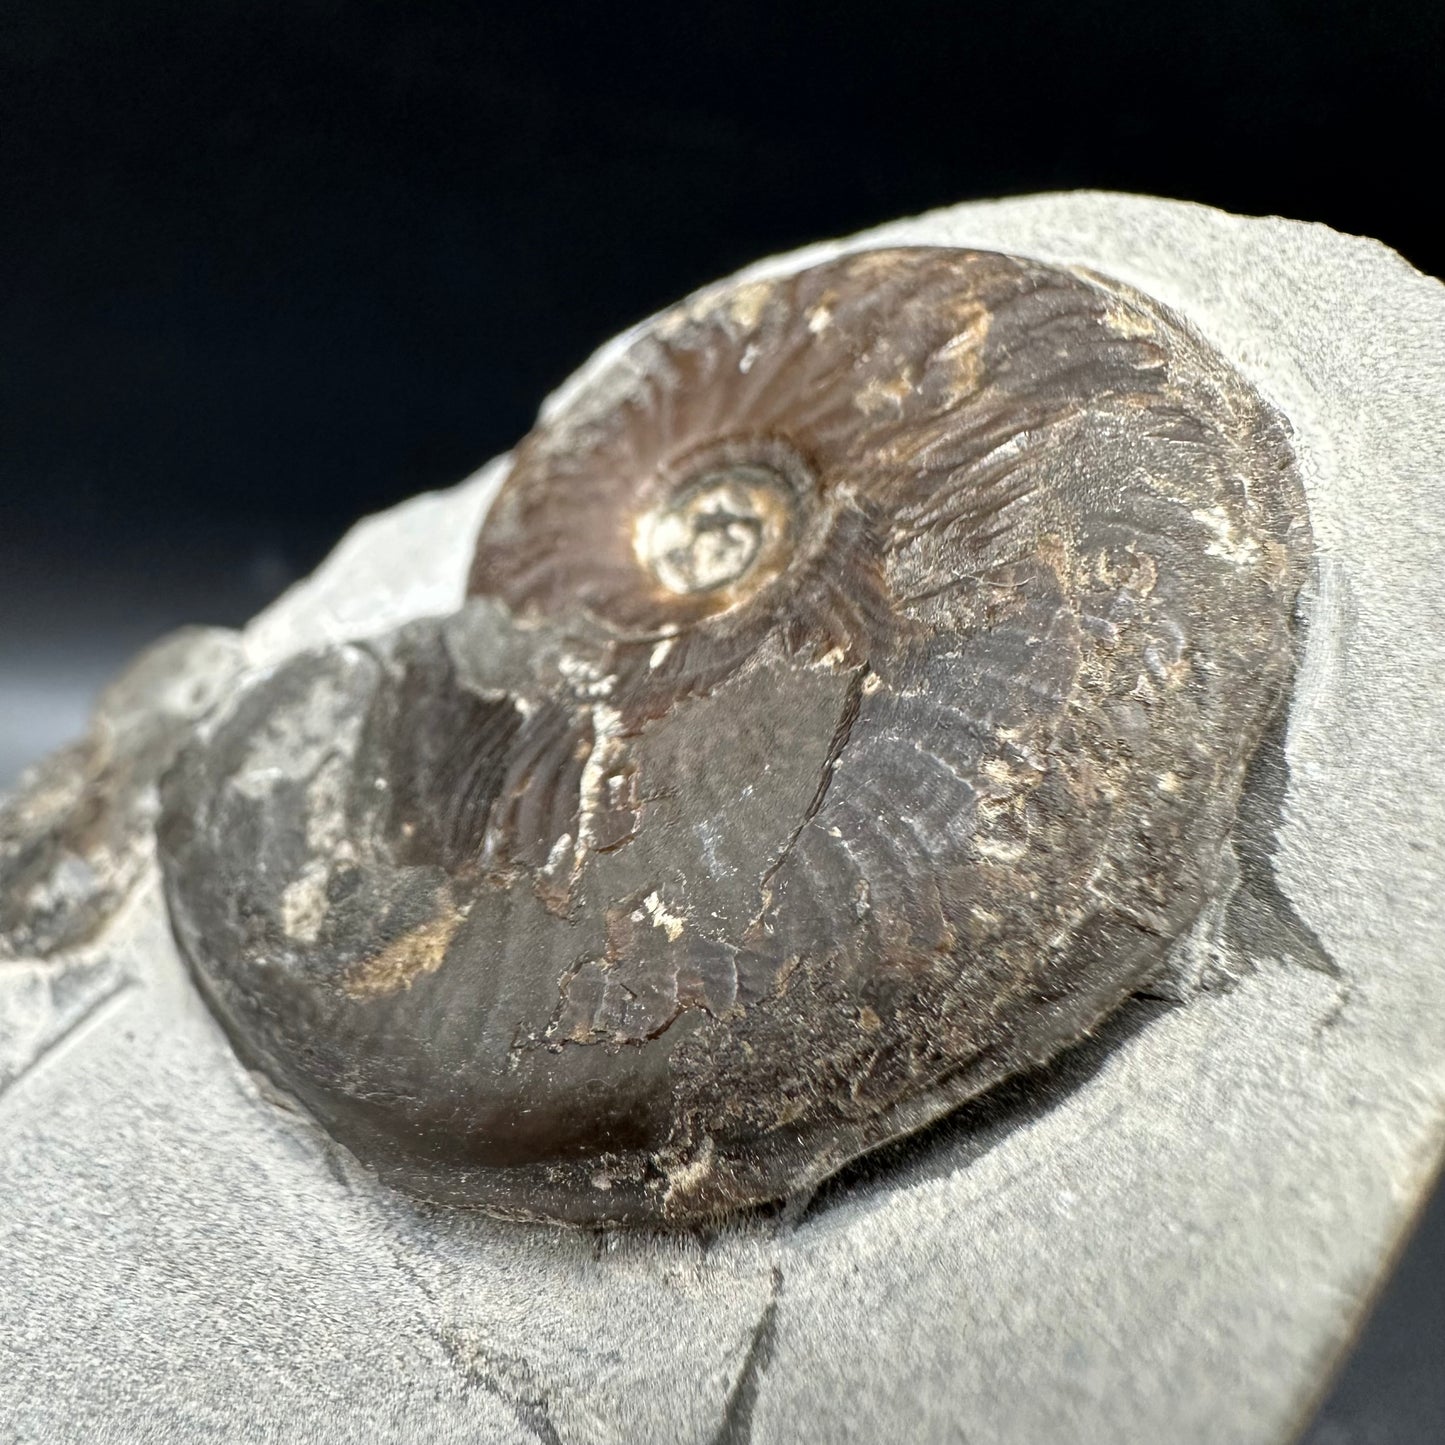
x,y
849,708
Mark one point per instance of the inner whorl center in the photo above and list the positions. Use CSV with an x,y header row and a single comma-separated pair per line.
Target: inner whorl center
x,y
729,526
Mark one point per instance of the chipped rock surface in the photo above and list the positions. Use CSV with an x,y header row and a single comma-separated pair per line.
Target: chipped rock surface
x,y
1167,1236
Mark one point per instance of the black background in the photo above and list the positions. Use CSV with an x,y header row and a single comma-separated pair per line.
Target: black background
x,y
264,268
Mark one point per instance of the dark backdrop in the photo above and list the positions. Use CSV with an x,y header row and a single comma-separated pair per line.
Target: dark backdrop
x,y
265,267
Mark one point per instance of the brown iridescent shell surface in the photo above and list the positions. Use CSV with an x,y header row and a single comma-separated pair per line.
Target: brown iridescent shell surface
x,y
850,706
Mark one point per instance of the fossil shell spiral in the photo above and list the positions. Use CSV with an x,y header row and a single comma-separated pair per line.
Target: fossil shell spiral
x,y
849,707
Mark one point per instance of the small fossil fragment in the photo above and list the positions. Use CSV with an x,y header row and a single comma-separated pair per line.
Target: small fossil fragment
x,y
76,834
849,708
